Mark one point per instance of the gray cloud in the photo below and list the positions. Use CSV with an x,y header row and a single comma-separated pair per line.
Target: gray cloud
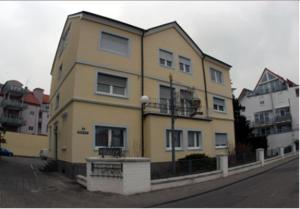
x,y
248,35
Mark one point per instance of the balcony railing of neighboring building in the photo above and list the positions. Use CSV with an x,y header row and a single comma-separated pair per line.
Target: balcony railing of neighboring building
x,y
14,90
13,104
259,123
11,120
277,119
183,109
283,118
273,130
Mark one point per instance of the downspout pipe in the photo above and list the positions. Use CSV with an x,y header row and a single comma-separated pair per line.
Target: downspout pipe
x,y
205,86
142,93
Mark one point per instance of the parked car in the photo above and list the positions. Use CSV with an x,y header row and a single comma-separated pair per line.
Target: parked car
x,y
44,154
6,152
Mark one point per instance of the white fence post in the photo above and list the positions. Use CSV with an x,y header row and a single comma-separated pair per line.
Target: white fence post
x,y
260,156
222,164
281,152
294,148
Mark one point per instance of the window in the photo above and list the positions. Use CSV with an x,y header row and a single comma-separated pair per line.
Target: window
x,y
31,112
297,92
219,104
165,99
114,43
111,85
59,72
184,64
221,140
165,58
30,128
185,102
178,139
194,140
109,136
57,101
216,76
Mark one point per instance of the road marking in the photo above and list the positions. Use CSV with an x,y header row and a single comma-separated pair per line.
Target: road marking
x,y
35,174
31,166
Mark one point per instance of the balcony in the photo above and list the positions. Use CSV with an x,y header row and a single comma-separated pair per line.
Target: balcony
x,y
11,120
14,90
163,107
285,118
260,123
13,104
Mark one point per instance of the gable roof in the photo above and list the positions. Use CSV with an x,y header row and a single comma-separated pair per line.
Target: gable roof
x,y
116,23
290,83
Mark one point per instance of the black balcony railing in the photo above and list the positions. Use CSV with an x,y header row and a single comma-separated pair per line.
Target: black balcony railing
x,y
13,104
187,109
11,120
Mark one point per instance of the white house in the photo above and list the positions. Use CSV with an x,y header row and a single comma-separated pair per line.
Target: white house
x,y
273,109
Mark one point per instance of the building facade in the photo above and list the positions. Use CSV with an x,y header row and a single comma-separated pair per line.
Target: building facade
x,y
22,110
273,109
101,69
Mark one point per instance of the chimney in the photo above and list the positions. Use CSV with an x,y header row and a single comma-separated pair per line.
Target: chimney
x,y
38,93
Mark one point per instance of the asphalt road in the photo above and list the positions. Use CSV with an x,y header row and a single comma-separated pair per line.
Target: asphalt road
x,y
277,188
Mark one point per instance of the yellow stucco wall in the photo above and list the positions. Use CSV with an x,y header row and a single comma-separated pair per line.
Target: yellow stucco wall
x,y
88,115
156,141
25,144
85,107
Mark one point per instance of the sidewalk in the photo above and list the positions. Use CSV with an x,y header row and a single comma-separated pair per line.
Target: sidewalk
x,y
156,198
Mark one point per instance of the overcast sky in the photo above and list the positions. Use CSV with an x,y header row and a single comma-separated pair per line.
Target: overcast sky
x,y
247,35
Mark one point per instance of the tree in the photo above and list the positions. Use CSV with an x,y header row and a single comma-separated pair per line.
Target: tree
x,y
244,137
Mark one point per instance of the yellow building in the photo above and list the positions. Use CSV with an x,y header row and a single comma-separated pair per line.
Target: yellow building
x,y
101,69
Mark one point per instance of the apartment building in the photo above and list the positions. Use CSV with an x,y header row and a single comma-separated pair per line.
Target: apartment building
x,y
22,110
103,67
273,109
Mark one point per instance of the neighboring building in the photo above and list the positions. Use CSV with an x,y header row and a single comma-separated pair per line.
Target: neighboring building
x,y
101,69
22,110
273,109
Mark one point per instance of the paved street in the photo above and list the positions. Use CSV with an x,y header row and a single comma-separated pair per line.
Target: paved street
x,y
278,188
22,185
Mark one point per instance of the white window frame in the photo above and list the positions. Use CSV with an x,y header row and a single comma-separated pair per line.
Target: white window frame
x,y
221,146
195,140
165,65
184,65
113,51
214,71
170,139
111,87
217,110
125,135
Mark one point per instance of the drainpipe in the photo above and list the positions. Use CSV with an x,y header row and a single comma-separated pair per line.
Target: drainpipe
x,y
142,92
205,88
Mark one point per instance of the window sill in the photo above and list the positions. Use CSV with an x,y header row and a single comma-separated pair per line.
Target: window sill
x,y
219,111
221,147
111,95
195,148
176,149
163,66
